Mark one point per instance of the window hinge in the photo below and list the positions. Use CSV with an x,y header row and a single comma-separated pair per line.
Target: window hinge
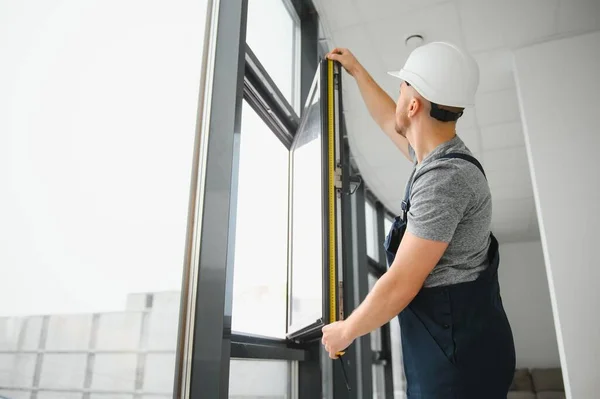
x,y
336,78
354,182
337,179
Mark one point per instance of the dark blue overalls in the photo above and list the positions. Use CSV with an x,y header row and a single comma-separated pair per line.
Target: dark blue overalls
x,y
456,340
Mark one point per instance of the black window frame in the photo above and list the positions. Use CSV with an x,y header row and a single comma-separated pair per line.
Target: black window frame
x,y
265,98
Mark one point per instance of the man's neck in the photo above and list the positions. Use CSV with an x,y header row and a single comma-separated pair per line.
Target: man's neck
x,y
424,144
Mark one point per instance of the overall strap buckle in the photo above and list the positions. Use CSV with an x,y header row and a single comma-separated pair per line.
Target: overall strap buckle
x,y
404,206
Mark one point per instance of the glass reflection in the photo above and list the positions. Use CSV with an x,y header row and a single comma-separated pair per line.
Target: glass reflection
x,y
307,218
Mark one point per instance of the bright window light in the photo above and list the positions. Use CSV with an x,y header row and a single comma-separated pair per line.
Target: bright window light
x,y
371,231
260,271
387,223
273,35
97,123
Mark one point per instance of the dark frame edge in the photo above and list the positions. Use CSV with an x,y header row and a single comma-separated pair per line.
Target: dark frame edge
x,y
202,366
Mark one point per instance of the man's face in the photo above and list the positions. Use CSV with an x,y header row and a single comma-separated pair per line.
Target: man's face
x,y
402,108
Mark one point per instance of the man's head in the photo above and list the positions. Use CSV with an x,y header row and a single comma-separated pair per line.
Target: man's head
x,y
438,81
412,109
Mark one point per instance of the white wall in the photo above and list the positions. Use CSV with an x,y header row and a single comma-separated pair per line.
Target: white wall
x,y
526,298
559,94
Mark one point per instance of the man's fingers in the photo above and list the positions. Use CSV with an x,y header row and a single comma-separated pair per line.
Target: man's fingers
x,y
336,53
328,349
335,56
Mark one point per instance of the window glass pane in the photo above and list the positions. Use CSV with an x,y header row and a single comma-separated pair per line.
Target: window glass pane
x,y
271,34
387,223
99,103
378,381
397,362
260,272
371,231
257,379
307,220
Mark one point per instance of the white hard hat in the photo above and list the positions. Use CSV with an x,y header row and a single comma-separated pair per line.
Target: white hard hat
x,y
442,73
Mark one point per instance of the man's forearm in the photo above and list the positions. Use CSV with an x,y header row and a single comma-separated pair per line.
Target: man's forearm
x,y
390,295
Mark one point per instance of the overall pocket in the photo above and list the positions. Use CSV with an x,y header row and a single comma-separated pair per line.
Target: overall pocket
x,y
433,309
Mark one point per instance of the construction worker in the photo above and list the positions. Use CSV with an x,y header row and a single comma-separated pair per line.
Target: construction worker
x,y
442,279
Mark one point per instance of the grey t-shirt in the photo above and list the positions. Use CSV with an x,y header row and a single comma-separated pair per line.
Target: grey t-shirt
x,y
451,202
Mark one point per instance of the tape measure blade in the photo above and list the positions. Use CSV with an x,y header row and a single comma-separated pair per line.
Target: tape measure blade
x,y
331,196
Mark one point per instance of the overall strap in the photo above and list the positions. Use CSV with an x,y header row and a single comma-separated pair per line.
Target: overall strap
x,y
466,157
452,155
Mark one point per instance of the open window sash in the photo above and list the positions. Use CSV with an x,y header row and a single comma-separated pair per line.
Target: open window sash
x,y
314,261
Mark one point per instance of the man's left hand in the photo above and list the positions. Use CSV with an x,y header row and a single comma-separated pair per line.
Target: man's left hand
x,y
336,338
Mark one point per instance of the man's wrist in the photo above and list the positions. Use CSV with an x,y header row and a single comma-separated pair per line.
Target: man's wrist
x,y
351,329
359,72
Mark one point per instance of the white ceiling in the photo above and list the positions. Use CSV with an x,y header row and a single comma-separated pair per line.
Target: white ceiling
x,y
374,30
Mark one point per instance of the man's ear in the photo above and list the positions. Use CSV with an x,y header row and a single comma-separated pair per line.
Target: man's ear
x,y
414,106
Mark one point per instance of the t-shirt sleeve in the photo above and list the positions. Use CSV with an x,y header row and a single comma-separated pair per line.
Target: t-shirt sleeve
x,y
438,202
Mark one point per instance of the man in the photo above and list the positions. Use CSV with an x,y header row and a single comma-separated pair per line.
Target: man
x,y
442,278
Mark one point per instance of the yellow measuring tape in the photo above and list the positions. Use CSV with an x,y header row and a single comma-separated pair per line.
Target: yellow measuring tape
x,y
332,224
331,161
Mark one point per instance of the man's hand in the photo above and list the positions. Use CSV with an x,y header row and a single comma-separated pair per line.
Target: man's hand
x,y
347,59
336,338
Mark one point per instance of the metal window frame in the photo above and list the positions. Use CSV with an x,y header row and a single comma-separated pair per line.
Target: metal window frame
x,y
268,102
309,49
295,104
375,268
380,231
247,346
378,268
202,365
306,332
372,198
386,335
362,371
